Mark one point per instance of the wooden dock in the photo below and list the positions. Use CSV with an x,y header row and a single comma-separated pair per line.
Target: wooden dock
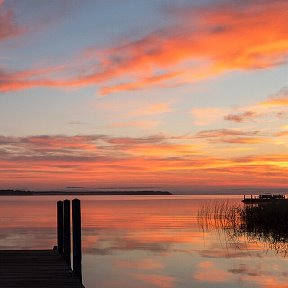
x,y
35,268
47,268
264,198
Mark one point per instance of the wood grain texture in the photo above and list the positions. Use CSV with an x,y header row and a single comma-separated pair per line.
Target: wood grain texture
x,y
35,268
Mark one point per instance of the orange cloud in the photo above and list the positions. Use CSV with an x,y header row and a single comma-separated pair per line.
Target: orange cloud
x,y
223,39
204,42
140,84
281,134
165,149
61,142
278,100
159,160
274,107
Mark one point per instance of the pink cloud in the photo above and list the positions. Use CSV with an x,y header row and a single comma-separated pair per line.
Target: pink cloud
x,y
241,117
209,37
232,136
278,100
203,43
8,26
154,160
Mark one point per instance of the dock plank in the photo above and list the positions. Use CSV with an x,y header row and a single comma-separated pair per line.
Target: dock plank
x,y
35,268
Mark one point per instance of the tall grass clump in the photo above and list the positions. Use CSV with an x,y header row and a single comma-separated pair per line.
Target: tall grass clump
x,y
219,214
267,222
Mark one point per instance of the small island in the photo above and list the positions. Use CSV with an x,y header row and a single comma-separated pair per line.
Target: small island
x,y
11,192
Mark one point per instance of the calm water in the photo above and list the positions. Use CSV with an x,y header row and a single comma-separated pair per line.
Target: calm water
x,y
141,242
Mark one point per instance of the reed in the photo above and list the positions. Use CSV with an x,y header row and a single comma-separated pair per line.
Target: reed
x,y
267,222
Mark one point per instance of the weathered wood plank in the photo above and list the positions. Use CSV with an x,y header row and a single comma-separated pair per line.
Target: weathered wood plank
x,y
35,268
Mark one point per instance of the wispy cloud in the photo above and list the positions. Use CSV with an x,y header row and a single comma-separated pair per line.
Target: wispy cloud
x,y
202,43
281,133
241,117
8,26
232,136
156,159
278,100
207,35
274,107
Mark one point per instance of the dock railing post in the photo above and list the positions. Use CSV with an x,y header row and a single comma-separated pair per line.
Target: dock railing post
x,y
76,224
60,234
67,237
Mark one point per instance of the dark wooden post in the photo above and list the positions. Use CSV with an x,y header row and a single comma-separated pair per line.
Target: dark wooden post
x,y
67,237
60,227
76,222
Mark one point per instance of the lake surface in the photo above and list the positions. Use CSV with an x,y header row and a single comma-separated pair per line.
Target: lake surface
x,y
141,242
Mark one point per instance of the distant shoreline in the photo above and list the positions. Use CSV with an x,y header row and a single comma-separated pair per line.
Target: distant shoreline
x,y
79,193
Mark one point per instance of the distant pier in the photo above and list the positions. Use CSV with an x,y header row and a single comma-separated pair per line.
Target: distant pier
x,y
47,268
264,198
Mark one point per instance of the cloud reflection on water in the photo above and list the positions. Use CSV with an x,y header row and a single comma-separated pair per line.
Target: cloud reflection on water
x,y
147,242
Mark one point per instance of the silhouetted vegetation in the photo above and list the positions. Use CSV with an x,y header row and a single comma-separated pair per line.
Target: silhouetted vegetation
x,y
266,222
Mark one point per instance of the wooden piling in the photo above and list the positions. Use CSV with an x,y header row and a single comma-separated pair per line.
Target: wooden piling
x,y
47,268
76,222
67,237
60,234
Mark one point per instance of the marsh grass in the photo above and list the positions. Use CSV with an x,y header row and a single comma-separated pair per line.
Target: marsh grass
x,y
267,223
219,214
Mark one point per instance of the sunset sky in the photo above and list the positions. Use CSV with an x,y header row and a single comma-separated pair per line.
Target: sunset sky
x,y
183,95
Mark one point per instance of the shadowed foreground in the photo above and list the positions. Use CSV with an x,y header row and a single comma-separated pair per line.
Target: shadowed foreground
x,y
35,268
